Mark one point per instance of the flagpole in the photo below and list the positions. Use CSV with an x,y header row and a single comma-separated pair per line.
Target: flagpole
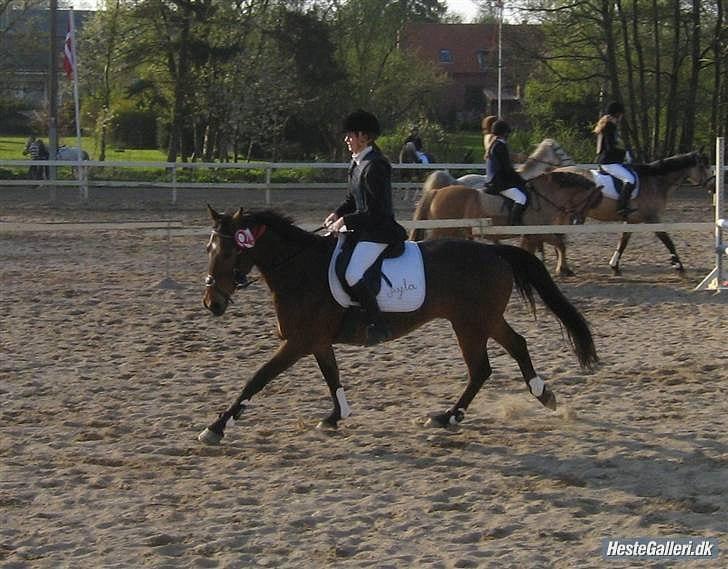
x,y
74,61
499,5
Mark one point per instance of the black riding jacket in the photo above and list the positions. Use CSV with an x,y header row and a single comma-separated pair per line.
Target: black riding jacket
x,y
610,148
368,210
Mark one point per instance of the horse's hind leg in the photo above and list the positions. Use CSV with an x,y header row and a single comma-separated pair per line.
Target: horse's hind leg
x,y
327,363
472,341
674,259
516,346
614,261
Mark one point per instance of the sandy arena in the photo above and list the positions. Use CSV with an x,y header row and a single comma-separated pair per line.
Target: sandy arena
x,y
106,379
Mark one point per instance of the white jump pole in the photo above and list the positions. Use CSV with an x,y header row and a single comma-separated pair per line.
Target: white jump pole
x,y
717,280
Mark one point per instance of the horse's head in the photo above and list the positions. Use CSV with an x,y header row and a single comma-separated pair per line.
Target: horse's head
x,y
699,173
230,257
548,155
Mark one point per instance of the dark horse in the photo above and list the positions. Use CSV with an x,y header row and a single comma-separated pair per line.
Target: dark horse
x,y
468,283
656,180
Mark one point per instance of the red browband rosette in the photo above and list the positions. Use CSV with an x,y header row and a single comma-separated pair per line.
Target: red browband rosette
x,y
246,238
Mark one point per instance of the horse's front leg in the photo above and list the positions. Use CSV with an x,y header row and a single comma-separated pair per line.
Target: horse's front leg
x,y
284,358
674,259
327,363
614,261
562,266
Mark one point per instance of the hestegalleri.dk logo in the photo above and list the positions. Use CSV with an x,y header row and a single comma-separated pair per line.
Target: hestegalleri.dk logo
x,y
661,547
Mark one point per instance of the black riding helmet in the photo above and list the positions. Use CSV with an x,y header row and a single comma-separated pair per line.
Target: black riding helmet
x,y
615,108
362,121
500,128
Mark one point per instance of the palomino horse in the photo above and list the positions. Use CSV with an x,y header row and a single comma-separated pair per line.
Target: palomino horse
x,y
468,283
555,198
656,179
548,155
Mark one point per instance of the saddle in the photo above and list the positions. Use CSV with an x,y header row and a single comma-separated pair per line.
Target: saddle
x,y
397,277
507,203
373,275
611,186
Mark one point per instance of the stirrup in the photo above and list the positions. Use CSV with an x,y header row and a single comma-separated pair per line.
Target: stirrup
x,y
377,333
625,212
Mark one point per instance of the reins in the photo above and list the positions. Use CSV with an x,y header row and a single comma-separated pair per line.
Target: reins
x,y
242,281
560,208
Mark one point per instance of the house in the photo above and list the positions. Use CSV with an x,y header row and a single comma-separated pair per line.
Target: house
x,y
24,50
468,54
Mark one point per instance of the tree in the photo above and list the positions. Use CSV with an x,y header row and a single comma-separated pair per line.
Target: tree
x,y
650,54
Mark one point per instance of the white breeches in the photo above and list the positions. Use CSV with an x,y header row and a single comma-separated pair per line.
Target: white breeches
x,y
365,253
514,194
619,172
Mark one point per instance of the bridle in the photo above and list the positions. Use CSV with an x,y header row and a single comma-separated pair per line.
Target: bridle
x,y
241,280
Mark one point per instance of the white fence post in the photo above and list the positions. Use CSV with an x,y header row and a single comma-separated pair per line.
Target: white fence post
x,y
717,280
174,183
268,177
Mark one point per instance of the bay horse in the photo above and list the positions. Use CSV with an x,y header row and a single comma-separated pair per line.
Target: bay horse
x,y
555,198
656,180
468,283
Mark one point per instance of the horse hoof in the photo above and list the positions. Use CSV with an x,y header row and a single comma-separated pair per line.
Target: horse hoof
x,y
548,399
209,437
435,422
327,425
441,420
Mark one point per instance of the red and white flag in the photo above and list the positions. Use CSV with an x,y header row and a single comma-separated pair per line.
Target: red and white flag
x,y
69,65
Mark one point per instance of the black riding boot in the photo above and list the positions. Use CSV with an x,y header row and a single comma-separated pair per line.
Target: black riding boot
x,y
377,329
516,217
625,193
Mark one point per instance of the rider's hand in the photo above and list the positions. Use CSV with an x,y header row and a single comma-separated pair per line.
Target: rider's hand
x,y
338,225
331,218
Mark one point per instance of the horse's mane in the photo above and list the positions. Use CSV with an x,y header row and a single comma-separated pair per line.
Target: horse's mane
x,y
549,143
571,179
282,224
666,165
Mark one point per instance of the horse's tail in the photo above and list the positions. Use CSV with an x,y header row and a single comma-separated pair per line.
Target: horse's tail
x,y
530,273
422,211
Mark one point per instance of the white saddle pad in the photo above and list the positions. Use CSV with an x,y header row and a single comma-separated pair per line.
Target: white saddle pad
x,y
607,184
406,273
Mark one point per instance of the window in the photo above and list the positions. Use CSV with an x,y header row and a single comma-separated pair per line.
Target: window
x,y
445,56
481,57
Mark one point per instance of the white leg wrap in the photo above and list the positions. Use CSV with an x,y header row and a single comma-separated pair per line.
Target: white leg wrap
x,y
536,385
343,404
231,422
453,419
614,261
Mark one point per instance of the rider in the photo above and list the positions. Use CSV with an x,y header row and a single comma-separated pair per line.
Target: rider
x,y
486,126
612,154
368,213
416,140
501,177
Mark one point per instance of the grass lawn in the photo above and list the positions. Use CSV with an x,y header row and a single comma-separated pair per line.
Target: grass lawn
x,y
458,146
11,148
